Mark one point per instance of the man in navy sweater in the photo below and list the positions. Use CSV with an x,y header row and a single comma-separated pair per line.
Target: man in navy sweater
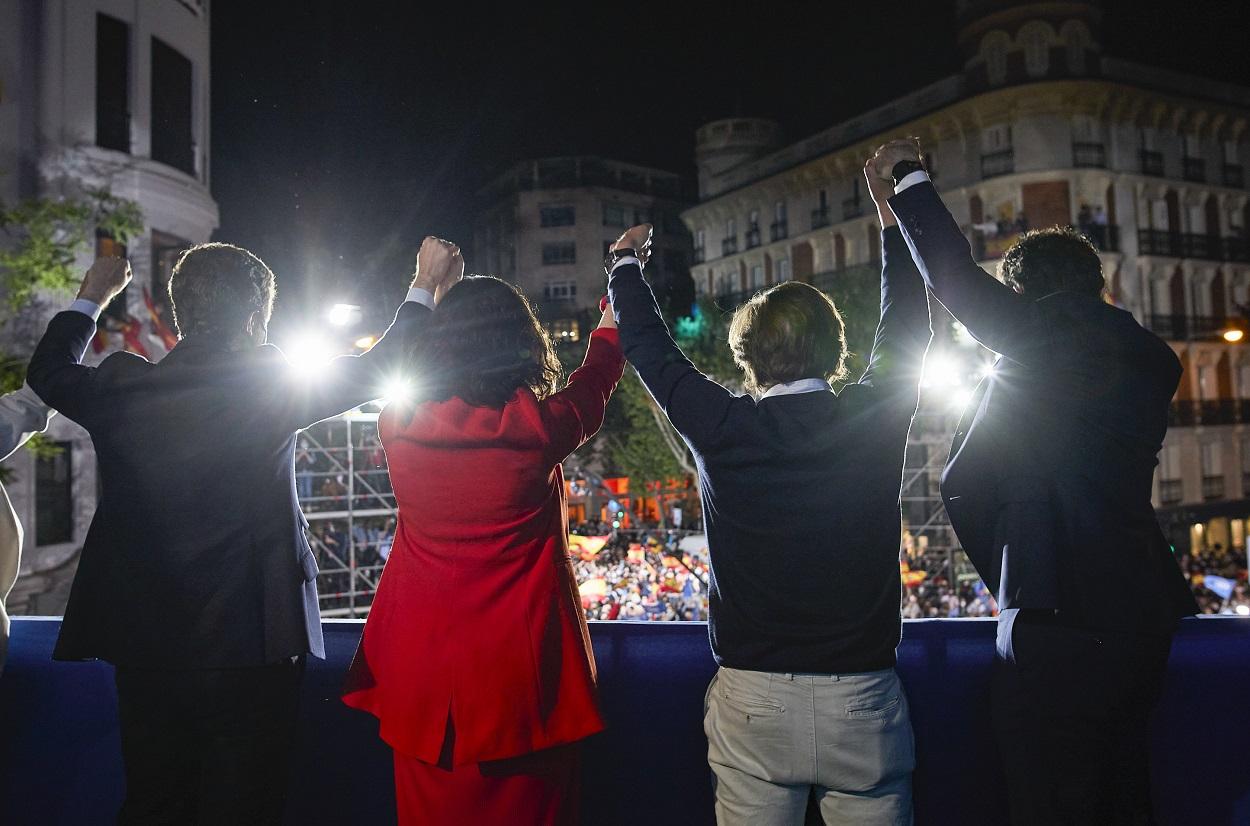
x,y
800,490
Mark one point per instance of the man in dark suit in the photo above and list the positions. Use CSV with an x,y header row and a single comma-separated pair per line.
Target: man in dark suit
x,y
196,579
800,491
1048,487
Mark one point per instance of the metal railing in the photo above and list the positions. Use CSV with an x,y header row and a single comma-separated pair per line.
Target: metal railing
x,y
1194,169
1234,176
729,246
753,238
1151,162
1212,487
820,218
1171,491
1002,162
1181,327
779,230
852,208
1089,155
1191,245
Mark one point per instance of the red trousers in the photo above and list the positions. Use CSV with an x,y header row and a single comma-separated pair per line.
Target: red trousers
x,y
538,789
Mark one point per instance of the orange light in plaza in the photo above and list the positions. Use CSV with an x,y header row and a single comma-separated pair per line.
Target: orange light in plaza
x,y
1233,335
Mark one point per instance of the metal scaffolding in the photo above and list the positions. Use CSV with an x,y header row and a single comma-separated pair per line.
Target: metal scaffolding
x,y
345,491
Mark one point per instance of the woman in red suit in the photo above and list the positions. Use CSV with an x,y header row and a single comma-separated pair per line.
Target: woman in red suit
x,y
476,658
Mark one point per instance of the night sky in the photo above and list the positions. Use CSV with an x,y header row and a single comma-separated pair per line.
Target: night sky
x,y
341,138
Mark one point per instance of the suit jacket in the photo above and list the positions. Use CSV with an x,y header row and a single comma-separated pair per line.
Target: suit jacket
x,y
477,616
22,415
1049,479
197,554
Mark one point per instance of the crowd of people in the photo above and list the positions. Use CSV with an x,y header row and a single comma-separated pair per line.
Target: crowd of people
x,y
642,576
1218,577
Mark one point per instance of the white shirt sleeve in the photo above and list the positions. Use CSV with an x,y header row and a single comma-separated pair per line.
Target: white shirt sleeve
x,y
911,179
87,308
421,296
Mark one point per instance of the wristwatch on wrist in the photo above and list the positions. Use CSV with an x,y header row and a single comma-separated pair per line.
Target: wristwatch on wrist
x,y
616,255
904,168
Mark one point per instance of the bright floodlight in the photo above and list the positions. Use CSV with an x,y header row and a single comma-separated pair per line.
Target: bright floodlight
x,y
987,369
343,314
940,371
398,390
959,397
1243,610
308,352
1234,335
365,342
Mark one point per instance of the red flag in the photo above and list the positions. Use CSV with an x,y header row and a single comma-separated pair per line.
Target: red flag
x,y
131,330
100,341
159,326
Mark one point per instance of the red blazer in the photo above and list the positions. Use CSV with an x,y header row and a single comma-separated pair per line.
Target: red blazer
x,y
477,614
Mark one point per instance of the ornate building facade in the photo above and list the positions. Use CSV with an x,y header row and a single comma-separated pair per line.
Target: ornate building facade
x,y
1039,128
109,94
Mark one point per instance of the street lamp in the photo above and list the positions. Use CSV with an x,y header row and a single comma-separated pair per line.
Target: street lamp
x,y
1232,335
343,314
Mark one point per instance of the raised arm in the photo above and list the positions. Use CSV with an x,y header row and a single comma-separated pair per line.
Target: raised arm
x,y
22,415
349,381
694,403
904,331
993,313
56,372
575,414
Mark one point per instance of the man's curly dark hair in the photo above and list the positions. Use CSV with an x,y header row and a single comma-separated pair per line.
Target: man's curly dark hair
x,y
215,288
483,343
1046,261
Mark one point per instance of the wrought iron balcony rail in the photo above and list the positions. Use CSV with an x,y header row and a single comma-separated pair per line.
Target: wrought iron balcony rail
x,y
1194,169
1089,155
753,238
779,230
820,218
1182,327
1151,162
729,246
1234,176
852,208
1002,162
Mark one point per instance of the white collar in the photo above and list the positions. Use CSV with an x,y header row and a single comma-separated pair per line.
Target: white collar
x,y
792,387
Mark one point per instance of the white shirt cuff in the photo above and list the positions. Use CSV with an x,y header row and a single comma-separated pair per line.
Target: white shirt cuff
x,y
629,259
87,308
911,179
421,296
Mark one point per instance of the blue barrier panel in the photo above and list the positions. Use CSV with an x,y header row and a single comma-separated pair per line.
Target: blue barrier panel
x,y
59,760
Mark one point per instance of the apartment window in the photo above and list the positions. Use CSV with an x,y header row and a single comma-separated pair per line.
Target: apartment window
x,y
172,139
560,290
996,138
54,496
779,211
1035,38
757,276
557,216
1243,383
781,270
731,228
1212,470
166,249
725,282
561,252
563,330
613,215
1170,486
994,48
112,83
997,156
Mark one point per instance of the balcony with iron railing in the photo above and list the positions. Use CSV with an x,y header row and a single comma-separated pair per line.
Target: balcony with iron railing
x,y
1002,162
1191,245
1194,169
1151,162
729,246
820,218
753,238
700,255
1234,176
1181,327
1089,155
779,230
1171,492
852,208
1208,412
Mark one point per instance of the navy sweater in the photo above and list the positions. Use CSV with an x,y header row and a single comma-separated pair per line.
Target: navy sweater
x,y
800,492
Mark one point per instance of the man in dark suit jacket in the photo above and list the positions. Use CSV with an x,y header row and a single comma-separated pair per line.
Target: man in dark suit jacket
x,y
1048,487
800,490
196,579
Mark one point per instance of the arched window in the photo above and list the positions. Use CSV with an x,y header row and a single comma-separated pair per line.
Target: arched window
x,y
994,47
1035,39
1076,41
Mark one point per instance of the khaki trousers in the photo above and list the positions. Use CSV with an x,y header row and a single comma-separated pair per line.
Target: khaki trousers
x,y
774,739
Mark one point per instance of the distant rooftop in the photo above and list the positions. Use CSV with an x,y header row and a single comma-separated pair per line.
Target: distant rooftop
x,y
585,170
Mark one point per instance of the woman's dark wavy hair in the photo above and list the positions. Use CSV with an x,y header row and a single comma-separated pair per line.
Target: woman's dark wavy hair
x,y
483,343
